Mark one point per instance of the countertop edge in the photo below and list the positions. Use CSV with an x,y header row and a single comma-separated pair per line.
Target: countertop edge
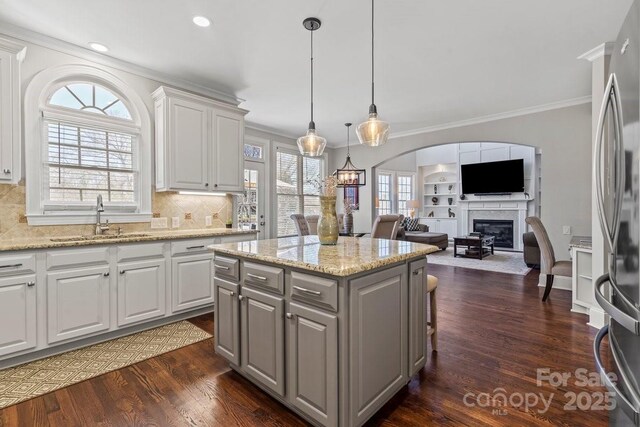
x,y
43,243
360,268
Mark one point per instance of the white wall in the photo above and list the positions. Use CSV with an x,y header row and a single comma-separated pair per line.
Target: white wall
x,y
405,163
564,138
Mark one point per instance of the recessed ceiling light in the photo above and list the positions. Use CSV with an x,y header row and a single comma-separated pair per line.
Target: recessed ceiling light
x,y
99,47
201,21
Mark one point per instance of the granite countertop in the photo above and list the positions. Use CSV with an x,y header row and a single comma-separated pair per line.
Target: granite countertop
x,y
582,242
350,256
45,242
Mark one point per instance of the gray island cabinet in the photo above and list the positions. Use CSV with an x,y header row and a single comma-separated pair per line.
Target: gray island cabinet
x,y
332,332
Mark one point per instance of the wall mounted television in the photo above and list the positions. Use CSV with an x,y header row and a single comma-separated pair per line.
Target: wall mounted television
x,y
503,177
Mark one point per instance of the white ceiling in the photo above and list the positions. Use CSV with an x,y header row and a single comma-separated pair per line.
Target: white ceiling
x,y
436,61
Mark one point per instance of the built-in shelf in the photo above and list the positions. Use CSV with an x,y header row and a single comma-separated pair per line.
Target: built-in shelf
x,y
439,194
439,182
436,217
440,206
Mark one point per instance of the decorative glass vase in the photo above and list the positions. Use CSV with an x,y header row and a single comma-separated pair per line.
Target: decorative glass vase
x,y
348,223
328,222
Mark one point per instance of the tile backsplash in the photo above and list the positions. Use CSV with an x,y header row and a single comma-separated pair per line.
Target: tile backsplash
x,y
13,222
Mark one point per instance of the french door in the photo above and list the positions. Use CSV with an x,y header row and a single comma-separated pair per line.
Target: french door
x,y
250,211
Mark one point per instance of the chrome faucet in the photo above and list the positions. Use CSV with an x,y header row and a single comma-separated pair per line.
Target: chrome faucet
x,y
100,227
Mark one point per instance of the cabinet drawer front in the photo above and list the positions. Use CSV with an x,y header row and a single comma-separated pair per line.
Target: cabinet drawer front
x,y
17,314
147,250
314,290
190,246
263,276
227,267
77,257
17,264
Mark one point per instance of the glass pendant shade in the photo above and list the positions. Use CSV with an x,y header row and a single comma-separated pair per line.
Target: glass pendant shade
x,y
374,132
311,144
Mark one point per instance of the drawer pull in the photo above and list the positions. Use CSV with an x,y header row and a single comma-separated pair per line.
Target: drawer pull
x,y
220,267
290,316
123,271
31,284
6,171
253,276
240,297
195,247
307,291
11,266
106,274
231,293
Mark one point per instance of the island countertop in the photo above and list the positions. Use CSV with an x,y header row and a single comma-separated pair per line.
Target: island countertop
x,y
352,255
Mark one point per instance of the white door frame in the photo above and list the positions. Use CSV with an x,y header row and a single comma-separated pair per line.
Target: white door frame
x,y
265,232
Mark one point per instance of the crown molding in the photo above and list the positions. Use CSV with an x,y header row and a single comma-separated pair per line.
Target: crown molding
x,y
494,117
273,131
598,52
23,34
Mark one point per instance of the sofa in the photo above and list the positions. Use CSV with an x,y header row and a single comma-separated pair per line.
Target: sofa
x,y
531,251
441,240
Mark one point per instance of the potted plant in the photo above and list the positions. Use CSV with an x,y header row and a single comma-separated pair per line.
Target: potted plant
x,y
229,223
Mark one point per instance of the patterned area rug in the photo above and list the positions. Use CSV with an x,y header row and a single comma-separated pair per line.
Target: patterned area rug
x,y
503,262
36,378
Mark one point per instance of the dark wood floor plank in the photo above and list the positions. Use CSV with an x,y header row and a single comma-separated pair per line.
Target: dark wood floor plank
x,y
494,333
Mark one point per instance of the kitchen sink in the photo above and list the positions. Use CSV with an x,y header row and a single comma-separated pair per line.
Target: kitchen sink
x,y
98,237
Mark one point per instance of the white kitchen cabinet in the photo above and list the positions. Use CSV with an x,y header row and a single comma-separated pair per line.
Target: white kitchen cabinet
x,y
77,303
141,291
17,314
11,56
199,143
189,128
192,281
448,226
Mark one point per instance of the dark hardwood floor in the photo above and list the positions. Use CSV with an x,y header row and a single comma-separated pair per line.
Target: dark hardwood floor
x,y
494,332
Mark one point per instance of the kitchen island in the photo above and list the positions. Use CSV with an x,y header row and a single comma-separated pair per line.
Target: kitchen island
x,y
332,332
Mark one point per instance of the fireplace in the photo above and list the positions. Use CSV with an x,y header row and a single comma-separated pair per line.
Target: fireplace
x,y
501,229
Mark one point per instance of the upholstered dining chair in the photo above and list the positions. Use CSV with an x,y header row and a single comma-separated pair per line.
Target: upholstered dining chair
x,y
549,266
302,226
386,226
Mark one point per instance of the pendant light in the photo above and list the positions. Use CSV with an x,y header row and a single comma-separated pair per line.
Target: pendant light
x,y
348,175
374,132
311,144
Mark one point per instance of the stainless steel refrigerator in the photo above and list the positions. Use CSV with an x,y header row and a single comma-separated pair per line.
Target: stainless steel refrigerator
x,y
617,171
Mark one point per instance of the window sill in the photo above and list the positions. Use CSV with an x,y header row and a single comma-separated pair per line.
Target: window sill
x,y
75,218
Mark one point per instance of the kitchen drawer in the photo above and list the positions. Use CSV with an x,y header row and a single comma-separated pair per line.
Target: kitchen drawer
x,y
63,258
17,264
314,290
133,252
263,276
193,246
227,267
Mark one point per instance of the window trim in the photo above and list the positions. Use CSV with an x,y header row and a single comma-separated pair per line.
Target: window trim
x,y
290,149
394,187
36,112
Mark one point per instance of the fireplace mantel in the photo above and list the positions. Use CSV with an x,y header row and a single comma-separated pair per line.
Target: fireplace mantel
x,y
515,209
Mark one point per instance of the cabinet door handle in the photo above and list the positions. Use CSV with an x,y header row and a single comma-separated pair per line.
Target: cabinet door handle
x,y
307,291
6,171
31,284
107,274
195,247
290,316
11,266
416,272
215,185
240,297
253,276
123,271
231,293
206,185
221,267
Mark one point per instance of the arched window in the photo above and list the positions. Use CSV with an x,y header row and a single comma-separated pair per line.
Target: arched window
x,y
92,144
